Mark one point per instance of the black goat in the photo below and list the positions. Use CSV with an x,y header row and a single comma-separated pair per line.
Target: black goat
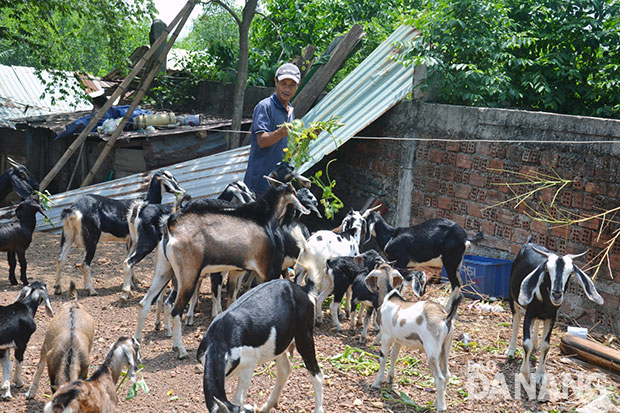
x,y
538,279
202,237
91,215
259,327
16,235
433,243
16,326
19,179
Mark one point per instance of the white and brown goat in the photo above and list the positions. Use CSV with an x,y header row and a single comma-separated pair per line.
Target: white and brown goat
x,y
415,324
98,392
67,345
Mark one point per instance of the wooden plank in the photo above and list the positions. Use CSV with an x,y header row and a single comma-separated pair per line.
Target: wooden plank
x,y
305,99
591,351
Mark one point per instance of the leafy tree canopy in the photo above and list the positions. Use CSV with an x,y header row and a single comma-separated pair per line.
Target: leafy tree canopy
x,y
553,55
92,36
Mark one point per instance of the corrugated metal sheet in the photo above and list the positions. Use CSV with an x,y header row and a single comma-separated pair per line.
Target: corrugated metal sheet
x,y
21,90
202,178
377,84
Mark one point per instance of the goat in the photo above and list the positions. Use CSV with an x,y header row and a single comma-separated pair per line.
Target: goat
x,y
202,237
19,179
343,271
16,236
434,242
422,325
92,215
16,327
259,327
290,221
323,245
98,392
67,345
538,279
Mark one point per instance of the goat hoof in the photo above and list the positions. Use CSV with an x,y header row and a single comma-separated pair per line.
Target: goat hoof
x,y
182,354
124,298
18,384
24,281
6,397
57,290
13,281
376,386
92,292
157,326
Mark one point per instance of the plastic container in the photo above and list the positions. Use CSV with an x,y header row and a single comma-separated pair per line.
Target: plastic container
x,y
482,276
157,119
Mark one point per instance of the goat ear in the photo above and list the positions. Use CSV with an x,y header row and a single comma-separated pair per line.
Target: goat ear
x,y
48,307
132,363
396,279
371,281
221,407
530,284
588,286
358,259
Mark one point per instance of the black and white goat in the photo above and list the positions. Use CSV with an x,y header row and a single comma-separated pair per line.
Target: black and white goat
x,y
322,245
432,243
19,179
259,327
16,327
16,236
90,216
98,392
67,345
418,324
202,237
538,279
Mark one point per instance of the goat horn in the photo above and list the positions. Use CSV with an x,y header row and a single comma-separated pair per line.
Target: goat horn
x,y
12,162
273,180
546,254
573,256
369,210
221,406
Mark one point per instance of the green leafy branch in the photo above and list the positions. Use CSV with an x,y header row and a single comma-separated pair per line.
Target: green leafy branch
x,y
46,203
331,203
300,137
135,387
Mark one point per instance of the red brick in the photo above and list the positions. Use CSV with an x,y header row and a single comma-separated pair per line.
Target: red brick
x,y
487,227
561,232
453,146
577,201
502,244
476,179
459,219
596,188
505,216
418,197
494,197
475,210
590,224
463,161
514,248
539,226
445,203
435,155
519,236
461,191
496,164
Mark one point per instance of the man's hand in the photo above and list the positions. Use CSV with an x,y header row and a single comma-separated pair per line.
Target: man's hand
x,y
266,139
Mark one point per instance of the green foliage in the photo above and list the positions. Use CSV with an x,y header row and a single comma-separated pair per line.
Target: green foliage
x,y
300,137
331,203
553,55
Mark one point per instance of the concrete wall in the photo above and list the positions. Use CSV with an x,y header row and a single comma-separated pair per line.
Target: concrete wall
x,y
459,179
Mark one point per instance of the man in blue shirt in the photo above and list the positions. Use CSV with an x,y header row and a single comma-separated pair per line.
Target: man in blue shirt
x,y
268,139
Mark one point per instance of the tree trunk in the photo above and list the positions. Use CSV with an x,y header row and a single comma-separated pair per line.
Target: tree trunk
x,y
242,72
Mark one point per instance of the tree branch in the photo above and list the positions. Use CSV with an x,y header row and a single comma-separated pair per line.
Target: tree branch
x,y
277,32
229,10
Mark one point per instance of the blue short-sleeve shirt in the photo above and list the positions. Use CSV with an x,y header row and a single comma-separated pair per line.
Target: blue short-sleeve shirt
x,y
269,113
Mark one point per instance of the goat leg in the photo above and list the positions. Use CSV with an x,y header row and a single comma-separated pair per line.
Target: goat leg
x,y
6,375
37,376
284,369
10,256
21,256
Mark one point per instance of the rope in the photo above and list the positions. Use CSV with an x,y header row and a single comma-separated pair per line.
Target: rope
x,y
393,138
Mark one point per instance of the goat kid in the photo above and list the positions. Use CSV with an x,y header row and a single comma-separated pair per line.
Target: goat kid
x,y
322,245
19,179
90,216
259,327
98,392
435,242
16,327
202,237
421,325
538,280
16,236
67,345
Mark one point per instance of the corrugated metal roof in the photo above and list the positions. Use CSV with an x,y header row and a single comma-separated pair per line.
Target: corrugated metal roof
x,y
204,177
377,84
21,90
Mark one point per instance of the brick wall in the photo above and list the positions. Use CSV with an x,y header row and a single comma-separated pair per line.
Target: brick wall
x,y
463,181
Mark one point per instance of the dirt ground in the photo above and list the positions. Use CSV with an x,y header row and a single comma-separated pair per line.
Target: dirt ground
x,y
349,368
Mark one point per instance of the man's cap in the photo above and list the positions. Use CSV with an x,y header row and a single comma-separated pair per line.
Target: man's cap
x,y
288,71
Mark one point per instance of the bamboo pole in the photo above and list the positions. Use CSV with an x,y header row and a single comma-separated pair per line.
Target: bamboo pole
x,y
137,98
118,92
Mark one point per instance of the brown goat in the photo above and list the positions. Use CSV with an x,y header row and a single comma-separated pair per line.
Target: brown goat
x,y
67,345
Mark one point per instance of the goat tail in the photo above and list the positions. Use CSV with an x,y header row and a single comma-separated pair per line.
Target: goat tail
x,y
476,239
453,304
299,238
72,225
165,237
73,291
132,216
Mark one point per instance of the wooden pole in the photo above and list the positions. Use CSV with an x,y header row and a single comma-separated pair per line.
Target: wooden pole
x,y
137,98
118,92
